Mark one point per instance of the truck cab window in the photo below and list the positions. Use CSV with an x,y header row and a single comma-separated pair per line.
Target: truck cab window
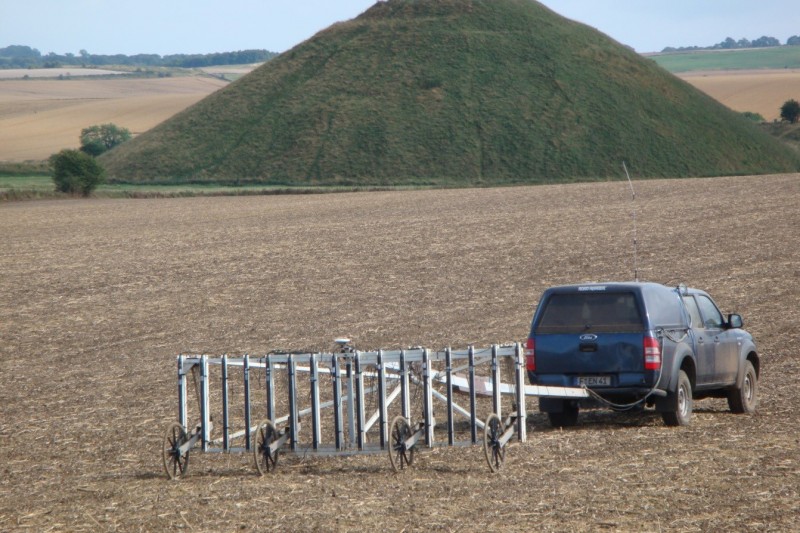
x,y
694,312
711,315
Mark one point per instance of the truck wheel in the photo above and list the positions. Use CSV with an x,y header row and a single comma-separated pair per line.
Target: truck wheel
x,y
745,398
566,418
681,413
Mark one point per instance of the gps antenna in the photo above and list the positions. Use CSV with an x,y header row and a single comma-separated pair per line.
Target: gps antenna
x,y
635,241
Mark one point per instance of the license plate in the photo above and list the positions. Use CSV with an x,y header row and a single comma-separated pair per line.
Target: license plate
x,y
594,381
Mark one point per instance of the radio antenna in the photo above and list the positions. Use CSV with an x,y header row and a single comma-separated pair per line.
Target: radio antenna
x,y
635,240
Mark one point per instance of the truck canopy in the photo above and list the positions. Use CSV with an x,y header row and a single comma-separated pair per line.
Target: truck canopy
x,y
585,312
610,308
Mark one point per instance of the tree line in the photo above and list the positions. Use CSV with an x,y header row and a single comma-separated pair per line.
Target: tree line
x,y
732,44
18,56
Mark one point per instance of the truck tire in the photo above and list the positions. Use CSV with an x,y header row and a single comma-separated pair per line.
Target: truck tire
x,y
744,399
566,418
681,412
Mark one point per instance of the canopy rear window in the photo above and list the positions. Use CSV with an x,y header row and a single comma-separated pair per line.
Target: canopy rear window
x,y
590,312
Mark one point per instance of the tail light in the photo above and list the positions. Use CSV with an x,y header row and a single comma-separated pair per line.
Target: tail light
x,y
652,354
530,355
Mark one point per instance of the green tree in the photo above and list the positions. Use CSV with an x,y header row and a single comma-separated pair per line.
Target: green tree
x,y
765,41
755,117
790,111
97,139
76,172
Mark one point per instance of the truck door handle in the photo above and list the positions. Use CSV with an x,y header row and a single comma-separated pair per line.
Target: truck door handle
x,y
701,340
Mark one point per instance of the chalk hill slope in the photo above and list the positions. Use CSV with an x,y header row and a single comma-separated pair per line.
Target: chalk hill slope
x,y
452,92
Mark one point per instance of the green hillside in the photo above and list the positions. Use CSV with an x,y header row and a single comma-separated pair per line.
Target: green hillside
x,y
788,133
453,92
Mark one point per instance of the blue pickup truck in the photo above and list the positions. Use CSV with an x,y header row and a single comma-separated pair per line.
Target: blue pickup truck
x,y
634,344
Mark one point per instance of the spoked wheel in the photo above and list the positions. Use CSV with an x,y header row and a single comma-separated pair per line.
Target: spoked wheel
x,y
266,434
175,462
398,454
493,450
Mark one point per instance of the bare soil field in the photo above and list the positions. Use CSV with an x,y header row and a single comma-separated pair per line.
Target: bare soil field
x,y
97,297
757,91
40,117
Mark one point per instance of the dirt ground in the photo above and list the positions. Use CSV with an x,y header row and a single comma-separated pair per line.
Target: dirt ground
x,y
98,296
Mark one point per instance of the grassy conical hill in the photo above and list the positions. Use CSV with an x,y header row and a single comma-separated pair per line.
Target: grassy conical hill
x,y
452,91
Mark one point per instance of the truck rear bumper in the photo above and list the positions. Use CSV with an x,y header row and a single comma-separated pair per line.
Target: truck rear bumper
x,y
627,383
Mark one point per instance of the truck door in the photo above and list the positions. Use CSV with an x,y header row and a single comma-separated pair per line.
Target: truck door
x,y
725,343
703,343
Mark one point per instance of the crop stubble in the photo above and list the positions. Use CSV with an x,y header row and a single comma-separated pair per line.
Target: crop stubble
x,y
98,296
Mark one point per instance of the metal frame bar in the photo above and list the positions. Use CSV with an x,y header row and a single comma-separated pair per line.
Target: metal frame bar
x,y
362,432
270,385
225,414
520,393
473,415
338,427
351,412
293,419
247,404
404,386
205,411
451,432
315,425
495,366
182,413
382,405
427,376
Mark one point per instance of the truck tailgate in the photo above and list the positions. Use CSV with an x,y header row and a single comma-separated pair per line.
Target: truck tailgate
x,y
602,353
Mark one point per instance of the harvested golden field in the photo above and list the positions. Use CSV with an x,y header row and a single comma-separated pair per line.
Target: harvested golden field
x,y
98,296
41,117
757,91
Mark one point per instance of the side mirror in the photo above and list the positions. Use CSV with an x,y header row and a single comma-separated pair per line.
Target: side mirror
x,y
735,321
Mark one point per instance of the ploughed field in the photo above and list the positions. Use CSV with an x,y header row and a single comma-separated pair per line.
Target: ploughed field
x,y
98,296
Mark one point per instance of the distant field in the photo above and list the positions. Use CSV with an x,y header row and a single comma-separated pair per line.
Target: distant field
x,y
759,91
41,117
230,72
755,58
16,73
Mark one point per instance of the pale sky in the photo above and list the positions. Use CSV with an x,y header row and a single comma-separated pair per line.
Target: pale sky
x,y
205,26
